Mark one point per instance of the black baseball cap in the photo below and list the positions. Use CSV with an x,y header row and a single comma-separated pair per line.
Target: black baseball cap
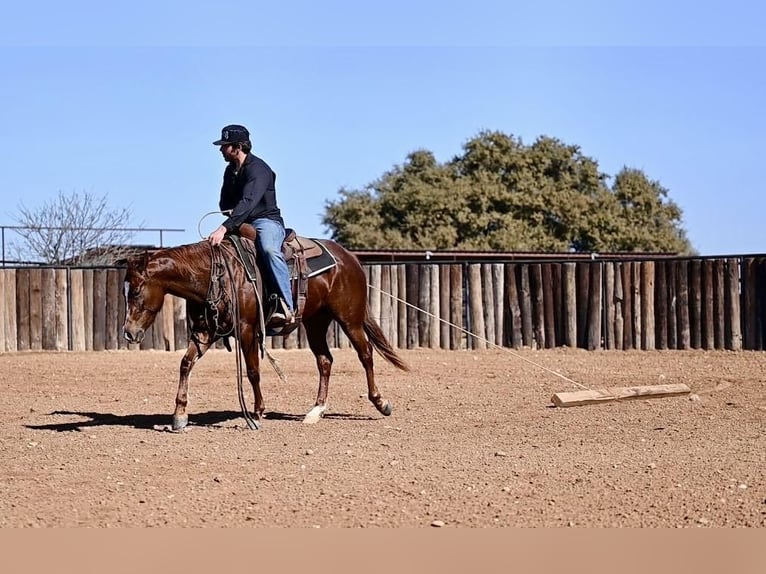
x,y
233,134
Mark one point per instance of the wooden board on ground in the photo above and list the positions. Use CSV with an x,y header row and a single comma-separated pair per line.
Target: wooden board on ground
x,y
589,397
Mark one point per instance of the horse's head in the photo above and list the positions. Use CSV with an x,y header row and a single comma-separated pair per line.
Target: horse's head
x,y
143,299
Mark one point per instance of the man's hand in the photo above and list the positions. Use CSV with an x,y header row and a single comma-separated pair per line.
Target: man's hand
x,y
217,236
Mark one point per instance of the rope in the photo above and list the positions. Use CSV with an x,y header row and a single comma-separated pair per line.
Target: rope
x,y
201,219
480,338
251,422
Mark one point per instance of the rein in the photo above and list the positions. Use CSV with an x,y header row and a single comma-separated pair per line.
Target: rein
x,y
217,295
216,262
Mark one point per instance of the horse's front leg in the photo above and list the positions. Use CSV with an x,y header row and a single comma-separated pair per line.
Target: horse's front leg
x,y
249,343
193,354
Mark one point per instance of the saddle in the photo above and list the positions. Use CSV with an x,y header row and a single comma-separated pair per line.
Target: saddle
x,y
297,252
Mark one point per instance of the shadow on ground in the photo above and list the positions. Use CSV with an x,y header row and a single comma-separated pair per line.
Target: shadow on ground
x,y
159,421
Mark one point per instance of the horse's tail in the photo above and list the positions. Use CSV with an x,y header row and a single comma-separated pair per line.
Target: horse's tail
x,y
381,344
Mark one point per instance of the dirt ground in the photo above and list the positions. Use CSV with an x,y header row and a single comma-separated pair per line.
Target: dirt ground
x,y
473,442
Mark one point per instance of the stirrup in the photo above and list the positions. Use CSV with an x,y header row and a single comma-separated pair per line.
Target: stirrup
x,y
281,315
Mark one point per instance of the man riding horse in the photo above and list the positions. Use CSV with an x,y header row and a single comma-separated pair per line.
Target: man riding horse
x,y
248,194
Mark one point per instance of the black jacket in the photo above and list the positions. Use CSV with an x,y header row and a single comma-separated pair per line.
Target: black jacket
x,y
251,193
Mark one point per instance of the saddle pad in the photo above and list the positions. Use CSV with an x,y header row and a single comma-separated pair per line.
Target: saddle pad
x,y
320,263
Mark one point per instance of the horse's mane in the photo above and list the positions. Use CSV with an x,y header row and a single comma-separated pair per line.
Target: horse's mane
x,y
193,256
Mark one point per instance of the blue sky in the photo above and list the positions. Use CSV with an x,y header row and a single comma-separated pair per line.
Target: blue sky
x,y
124,99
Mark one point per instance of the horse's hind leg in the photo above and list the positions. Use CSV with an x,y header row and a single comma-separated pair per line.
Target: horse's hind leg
x,y
316,334
193,354
356,335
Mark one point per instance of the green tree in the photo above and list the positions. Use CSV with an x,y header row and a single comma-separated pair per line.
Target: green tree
x,y
502,195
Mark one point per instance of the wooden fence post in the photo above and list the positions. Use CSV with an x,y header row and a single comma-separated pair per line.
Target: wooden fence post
x,y
477,312
647,306
9,303
538,306
456,306
568,278
609,304
733,317
488,302
61,292
444,306
595,296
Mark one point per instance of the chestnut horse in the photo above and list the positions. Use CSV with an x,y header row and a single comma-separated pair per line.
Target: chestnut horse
x,y
189,272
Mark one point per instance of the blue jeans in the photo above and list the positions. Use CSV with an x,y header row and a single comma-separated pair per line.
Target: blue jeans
x,y
271,235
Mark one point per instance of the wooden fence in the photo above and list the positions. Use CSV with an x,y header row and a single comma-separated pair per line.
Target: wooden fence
x,y
670,303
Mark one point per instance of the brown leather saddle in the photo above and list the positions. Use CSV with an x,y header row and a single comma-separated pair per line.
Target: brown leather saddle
x,y
297,251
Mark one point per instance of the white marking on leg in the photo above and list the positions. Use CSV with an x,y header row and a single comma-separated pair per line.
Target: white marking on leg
x,y
314,415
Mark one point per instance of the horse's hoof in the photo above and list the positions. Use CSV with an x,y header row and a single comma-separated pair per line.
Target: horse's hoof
x,y
387,408
180,422
313,416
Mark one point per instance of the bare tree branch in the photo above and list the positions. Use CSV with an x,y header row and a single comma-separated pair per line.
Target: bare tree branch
x,y
76,227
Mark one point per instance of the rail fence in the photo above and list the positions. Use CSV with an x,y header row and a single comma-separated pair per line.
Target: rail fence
x,y
668,303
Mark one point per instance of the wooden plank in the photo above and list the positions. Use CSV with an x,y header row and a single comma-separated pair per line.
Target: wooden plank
x,y
627,304
661,305
393,274
558,304
609,304
515,339
637,306
488,302
549,311
22,309
99,310
48,307
424,294
78,327
385,301
708,314
35,310
62,310
569,304
695,303
589,397
671,272
582,287
111,313
719,307
682,311
525,304
10,323
3,310
648,331
401,318
179,324
3,306
456,306
444,306
538,309
168,323
733,317
433,308
619,304
375,298
412,282
595,295
749,303
476,307
87,308
121,312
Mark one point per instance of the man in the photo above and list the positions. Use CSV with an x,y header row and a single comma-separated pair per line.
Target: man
x,y
249,193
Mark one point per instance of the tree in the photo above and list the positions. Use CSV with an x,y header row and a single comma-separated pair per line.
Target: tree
x,y
75,228
502,195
